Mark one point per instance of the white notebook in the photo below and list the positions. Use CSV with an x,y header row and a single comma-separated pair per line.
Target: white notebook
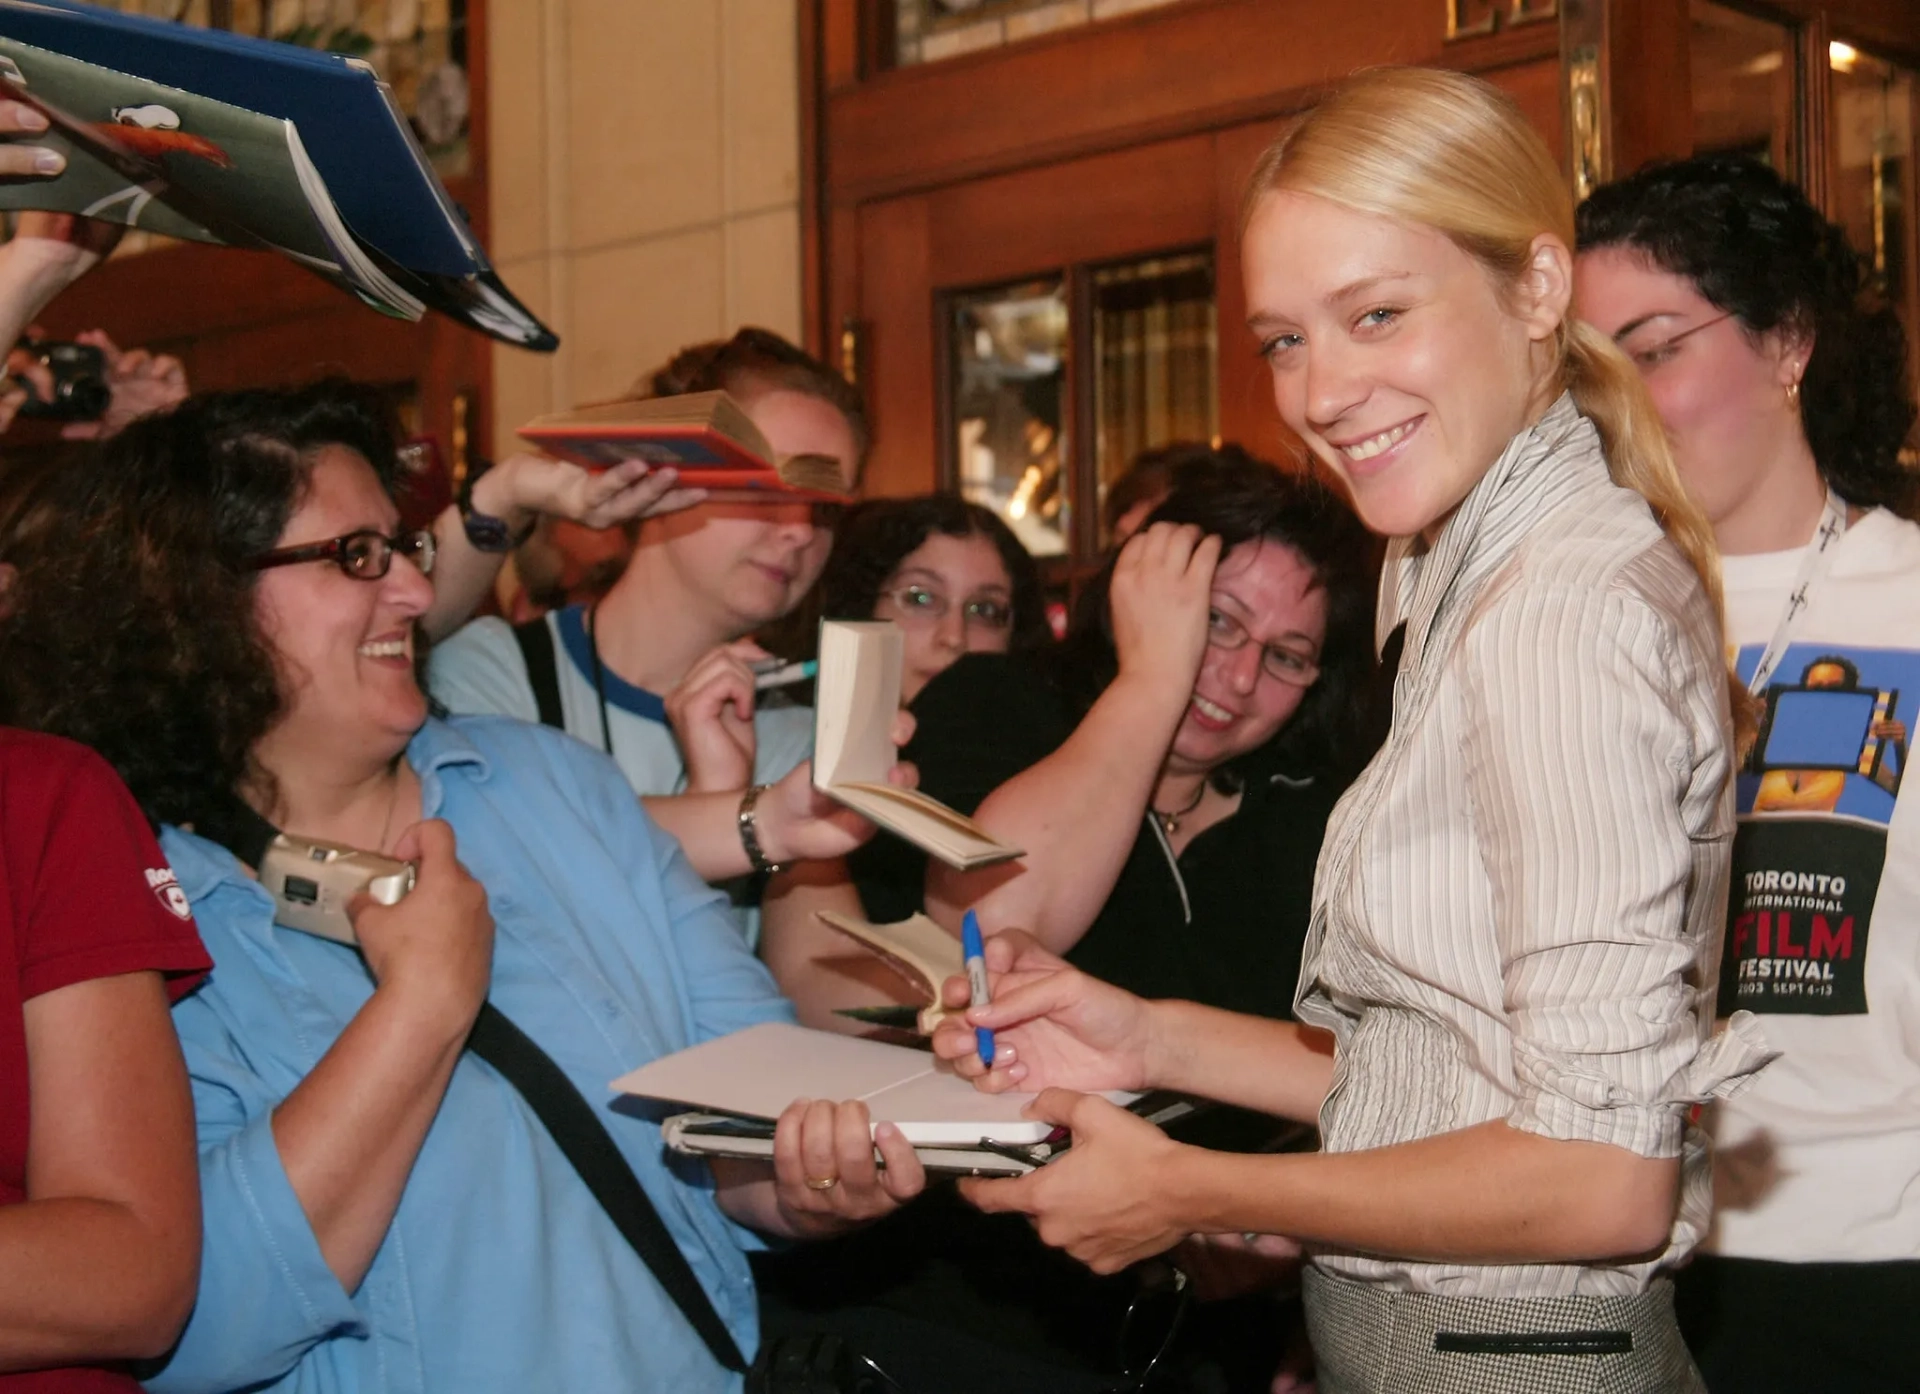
x,y
757,1072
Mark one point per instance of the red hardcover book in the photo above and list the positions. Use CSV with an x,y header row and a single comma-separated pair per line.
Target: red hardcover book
x,y
706,436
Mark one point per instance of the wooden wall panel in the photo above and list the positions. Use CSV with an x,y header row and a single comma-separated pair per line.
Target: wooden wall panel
x,y
1188,67
896,307
1649,80
1119,204
1536,87
1247,413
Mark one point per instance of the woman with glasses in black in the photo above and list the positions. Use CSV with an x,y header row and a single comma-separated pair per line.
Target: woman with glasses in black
x,y
1170,769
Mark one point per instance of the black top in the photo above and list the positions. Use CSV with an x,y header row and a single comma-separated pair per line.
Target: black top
x,y
1225,925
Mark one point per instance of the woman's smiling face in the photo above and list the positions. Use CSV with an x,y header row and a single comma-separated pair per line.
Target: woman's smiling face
x,y
1271,592
344,646
1392,353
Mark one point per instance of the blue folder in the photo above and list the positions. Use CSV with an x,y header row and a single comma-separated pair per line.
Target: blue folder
x,y
360,143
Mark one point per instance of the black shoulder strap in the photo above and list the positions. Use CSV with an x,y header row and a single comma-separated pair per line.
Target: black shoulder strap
x,y
582,1138
594,1154
536,647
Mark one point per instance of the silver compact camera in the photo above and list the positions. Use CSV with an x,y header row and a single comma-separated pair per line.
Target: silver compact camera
x,y
312,883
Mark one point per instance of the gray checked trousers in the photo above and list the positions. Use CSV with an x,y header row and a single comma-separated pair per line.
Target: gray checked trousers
x,y
1368,1340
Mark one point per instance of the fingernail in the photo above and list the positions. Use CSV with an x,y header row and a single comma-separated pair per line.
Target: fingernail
x,y
29,118
49,161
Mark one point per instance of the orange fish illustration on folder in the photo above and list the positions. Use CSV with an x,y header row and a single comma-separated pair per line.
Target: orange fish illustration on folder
x,y
153,130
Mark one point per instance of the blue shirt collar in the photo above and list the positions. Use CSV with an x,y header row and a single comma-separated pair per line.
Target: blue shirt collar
x,y
200,864
649,706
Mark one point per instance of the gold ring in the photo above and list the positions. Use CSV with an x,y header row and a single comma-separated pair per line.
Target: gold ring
x,y
824,1183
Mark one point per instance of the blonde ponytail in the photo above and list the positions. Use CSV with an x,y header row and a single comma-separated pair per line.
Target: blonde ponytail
x,y
1451,152
1610,393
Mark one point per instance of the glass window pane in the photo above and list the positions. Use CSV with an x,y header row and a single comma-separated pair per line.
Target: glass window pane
x,y
1156,358
926,31
1743,86
1008,348
1874,114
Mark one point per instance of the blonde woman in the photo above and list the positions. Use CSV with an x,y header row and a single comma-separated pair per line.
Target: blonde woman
x,y
1506,994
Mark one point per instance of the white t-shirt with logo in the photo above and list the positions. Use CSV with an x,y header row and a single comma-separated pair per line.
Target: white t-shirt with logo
x,y
1819,1159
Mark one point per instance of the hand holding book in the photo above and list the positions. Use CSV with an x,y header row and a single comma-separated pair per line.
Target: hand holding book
x,y
799,822
20,158
526,484
858,689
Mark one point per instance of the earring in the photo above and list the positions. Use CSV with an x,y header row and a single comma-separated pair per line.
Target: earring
x,y
1793,394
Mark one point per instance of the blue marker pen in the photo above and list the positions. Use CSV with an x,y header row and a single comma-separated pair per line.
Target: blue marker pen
x,y
976,957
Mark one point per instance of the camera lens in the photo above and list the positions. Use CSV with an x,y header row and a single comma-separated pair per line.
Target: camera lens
x,y
84,399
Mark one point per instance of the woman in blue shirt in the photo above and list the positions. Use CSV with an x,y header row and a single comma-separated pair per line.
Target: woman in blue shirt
x,y
236,615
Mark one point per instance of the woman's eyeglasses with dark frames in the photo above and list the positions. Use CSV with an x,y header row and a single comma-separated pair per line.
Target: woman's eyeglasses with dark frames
x,y
365,555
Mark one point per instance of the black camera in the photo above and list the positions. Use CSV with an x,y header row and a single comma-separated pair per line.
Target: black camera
x,y
79,373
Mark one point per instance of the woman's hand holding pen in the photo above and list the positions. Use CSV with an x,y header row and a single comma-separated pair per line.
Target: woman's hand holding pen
x,y
1101,1201
1053,1026
825,1175
710,711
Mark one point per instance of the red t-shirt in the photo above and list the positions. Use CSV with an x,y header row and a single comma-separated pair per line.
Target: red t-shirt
x,y
84,893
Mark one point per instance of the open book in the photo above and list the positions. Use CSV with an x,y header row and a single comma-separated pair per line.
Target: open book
x,y
741,1083
706,436
218,137
855,698
918,949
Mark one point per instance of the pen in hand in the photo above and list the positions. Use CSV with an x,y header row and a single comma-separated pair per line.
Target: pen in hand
x,y
772,672
976,957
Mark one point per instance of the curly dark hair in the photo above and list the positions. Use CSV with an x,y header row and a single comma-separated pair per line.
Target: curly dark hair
x,y
1152,474
1751,243
877,536
1240,498
760,360
137,634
